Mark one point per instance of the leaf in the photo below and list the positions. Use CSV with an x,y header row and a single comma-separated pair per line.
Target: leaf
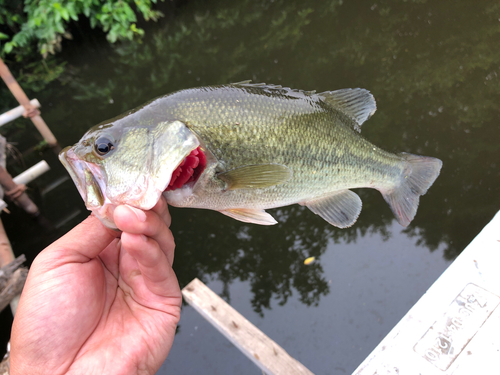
x,y
8,47
112,36
3,36
309,260
64,14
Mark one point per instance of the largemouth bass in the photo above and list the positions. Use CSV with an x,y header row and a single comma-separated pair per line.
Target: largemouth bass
x,y
243,148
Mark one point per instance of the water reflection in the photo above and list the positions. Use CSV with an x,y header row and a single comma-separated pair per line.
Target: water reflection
x,y
433,72
271,259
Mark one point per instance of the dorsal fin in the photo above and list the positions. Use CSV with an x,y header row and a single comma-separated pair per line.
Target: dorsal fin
x,y
248,83
359,104
264,86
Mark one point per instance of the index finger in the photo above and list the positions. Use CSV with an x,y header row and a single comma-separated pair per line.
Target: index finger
x,y
161,208
153,224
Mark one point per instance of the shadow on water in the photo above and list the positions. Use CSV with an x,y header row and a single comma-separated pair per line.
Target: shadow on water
x,y
432,67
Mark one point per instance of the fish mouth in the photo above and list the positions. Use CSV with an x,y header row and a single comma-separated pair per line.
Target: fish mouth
x,y
90,183
76,169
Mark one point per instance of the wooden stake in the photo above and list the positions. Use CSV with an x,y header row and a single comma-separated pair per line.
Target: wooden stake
x,y
21,97
264,352
7,256
12,279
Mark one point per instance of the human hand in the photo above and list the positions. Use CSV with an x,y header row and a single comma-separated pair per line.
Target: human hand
x,y
95,303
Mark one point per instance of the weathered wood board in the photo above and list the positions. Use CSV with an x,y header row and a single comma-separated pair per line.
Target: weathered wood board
x,y
263,351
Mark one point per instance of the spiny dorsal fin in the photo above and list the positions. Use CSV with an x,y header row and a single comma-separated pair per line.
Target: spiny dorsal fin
x,y
359,104
256,176
248,83
264,86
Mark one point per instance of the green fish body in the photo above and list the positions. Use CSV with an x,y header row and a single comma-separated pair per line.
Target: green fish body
x,y
243,148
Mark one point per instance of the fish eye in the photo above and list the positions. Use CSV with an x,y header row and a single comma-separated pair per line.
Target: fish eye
x,y
103,145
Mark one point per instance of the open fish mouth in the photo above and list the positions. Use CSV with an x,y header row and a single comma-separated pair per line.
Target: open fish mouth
x,y
90,183
76,169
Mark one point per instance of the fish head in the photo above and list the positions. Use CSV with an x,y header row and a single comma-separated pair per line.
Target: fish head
x,y
120,163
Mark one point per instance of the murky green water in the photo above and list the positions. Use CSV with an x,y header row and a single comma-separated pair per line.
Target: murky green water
x,y
433,68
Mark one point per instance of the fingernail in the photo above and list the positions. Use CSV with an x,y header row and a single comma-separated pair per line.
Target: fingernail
x,y
141,215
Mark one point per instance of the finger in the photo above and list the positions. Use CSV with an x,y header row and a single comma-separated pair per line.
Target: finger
x,y
153,263
84,242
161,208
135,221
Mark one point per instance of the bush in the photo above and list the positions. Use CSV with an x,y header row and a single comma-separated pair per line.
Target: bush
x,y
45,22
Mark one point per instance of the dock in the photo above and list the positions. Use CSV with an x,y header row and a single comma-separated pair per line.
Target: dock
x,y
454,327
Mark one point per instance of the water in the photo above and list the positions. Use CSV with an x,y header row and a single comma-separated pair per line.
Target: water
x,y
433,69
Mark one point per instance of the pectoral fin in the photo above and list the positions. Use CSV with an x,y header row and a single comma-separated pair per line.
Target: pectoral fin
x,y
247,215
340,209
256,176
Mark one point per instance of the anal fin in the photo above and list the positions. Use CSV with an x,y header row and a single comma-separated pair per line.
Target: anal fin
x,y
340,209
248,215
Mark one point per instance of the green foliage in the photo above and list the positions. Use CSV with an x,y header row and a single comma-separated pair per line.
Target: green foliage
x,y
46,21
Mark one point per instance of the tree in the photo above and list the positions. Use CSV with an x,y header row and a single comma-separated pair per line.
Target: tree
x,y
45,22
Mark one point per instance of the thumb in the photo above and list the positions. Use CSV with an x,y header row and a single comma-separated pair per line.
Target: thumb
x,y
83,242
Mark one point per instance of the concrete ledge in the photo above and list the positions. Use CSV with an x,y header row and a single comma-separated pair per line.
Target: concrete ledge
x,y
455,327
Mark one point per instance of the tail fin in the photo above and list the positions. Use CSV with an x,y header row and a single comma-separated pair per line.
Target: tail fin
x,y
419,175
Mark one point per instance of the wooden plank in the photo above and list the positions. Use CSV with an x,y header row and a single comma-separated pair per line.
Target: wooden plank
x,y
16,112
453,328
264,352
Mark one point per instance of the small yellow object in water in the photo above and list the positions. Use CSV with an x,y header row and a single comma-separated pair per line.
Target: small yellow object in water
x,y
309,260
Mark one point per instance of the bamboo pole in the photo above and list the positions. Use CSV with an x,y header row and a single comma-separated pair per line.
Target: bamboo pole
x,y
32,112
17,195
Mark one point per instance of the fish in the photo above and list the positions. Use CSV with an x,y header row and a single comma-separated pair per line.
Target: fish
x,y
243,148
